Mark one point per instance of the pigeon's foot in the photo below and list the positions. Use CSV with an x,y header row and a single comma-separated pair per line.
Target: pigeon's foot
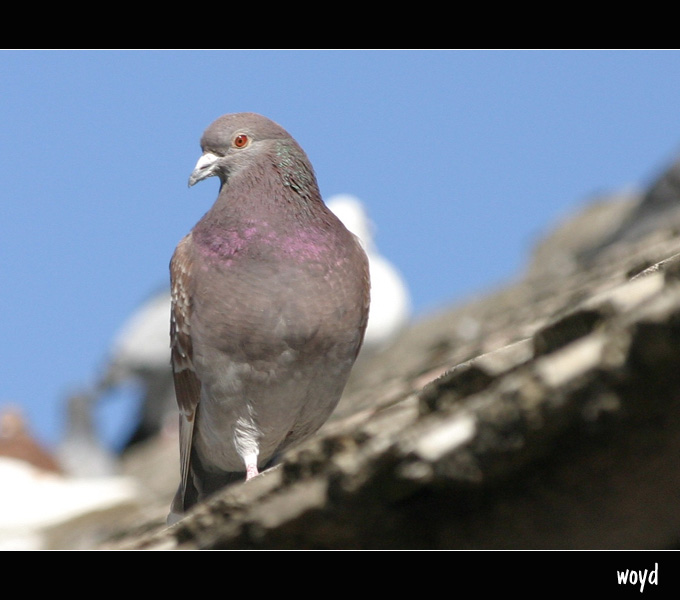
x,y
251,467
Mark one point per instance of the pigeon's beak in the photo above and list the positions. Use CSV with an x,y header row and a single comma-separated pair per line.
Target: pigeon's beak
x,y
205,167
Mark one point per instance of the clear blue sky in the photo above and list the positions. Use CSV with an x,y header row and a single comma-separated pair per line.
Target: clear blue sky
x,y
462,158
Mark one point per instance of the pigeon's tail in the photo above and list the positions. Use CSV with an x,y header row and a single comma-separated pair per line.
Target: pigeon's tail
x,y
183,501
211,482
173,517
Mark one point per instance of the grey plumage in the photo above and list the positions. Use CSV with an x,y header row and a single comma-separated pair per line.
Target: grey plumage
x,y
270,297
390,298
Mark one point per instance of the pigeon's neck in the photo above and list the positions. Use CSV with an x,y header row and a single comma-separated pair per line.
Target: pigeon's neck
x,y
295,172
271,208
280,188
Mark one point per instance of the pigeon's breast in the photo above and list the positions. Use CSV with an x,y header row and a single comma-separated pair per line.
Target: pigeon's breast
x,y
276,328
260,295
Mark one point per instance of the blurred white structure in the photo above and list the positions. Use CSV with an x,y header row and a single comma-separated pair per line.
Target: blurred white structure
x,y
143,342
39,500
140,354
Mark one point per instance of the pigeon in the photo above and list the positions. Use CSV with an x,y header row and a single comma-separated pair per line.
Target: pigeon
x,y
390,309
140,352
270,300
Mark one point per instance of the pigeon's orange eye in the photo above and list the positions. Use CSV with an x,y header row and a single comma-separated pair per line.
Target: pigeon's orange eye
x,y
241,140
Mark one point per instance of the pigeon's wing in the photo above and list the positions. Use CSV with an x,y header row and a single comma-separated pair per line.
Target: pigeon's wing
x,y
187,384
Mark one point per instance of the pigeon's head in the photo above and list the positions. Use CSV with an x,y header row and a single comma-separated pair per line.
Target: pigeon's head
x,y
236,141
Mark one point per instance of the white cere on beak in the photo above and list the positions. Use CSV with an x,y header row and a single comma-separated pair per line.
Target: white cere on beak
x,y
205,167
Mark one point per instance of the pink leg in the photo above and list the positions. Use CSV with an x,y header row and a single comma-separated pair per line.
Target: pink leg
x,y
251,467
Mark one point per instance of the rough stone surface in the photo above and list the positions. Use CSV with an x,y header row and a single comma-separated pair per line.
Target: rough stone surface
x,y
542,414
